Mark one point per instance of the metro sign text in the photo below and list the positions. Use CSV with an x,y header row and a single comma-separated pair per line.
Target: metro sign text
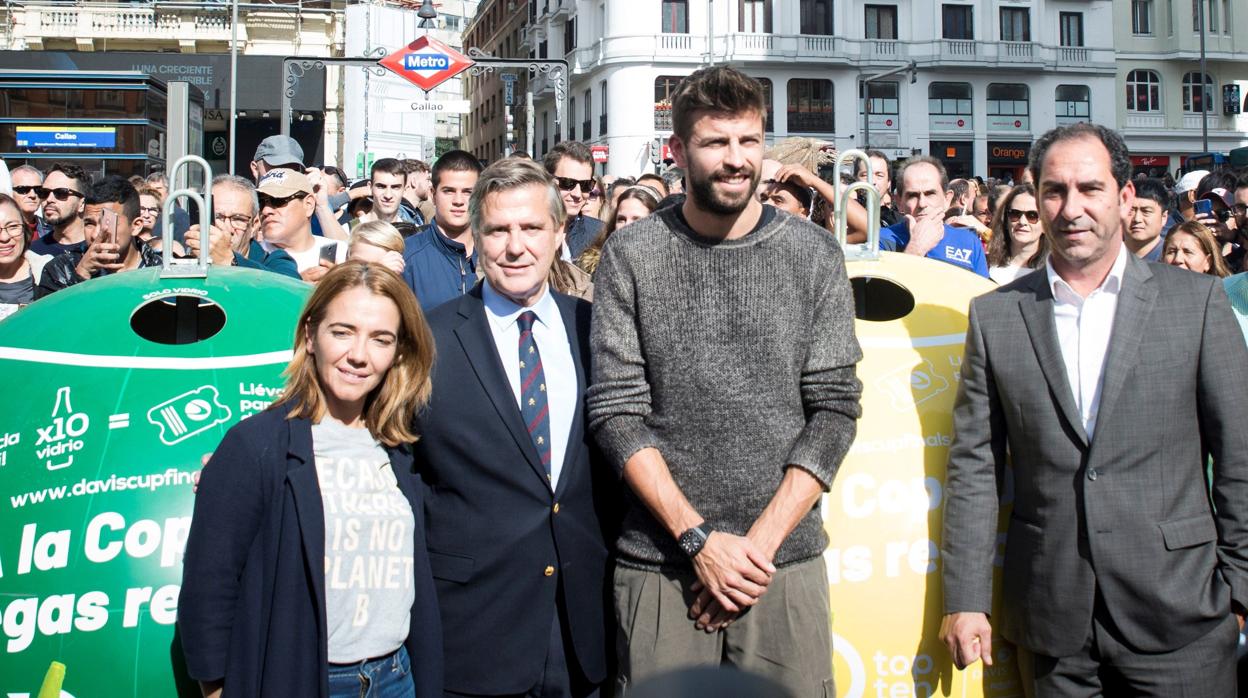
x,y
426,63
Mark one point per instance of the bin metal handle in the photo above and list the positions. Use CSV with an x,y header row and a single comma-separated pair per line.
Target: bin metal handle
x,y
869,250
169,267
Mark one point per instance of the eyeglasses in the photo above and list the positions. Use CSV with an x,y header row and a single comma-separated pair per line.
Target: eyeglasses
x,y
239,221
61,193
13,229
1014,215
568,184
274,202
154,210
25,189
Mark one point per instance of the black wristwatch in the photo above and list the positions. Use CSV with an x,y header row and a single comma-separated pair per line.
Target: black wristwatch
x,y
691,541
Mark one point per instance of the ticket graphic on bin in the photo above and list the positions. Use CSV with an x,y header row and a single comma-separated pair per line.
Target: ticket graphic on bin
x,y
188,414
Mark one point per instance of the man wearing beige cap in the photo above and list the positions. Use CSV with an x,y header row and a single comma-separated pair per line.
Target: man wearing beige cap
x,y
286,208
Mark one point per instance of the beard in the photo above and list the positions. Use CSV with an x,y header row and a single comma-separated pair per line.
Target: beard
x,y
702,191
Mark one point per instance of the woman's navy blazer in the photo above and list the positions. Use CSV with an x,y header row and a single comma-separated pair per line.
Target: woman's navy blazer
x,y
252,606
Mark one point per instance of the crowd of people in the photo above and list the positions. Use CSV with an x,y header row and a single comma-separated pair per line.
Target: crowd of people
x,y
547,433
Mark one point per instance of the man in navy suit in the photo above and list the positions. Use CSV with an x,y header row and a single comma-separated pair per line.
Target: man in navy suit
x,y
516,509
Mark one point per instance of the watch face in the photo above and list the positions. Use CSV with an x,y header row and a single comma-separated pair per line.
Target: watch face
x,y
691,541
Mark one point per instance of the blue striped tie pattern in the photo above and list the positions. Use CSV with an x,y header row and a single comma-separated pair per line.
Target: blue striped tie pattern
x,y
533,405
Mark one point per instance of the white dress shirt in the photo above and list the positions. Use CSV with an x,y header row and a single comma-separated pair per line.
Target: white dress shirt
x,y
558,367
1084,326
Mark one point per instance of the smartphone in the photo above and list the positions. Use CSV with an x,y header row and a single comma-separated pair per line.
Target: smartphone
x,y
329,253
108,226
1203,207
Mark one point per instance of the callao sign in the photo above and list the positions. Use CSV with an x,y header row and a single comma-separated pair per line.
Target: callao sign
x,y
426,63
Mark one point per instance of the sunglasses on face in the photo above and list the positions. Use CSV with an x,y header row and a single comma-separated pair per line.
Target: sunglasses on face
x,y
274,202
1015,214
25,189
568,184
61,193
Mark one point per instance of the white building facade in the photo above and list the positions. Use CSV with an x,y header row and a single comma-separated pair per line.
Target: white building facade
x,y
1159,97
989,76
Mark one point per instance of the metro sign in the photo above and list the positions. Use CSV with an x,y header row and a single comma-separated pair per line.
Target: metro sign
x,y
426,63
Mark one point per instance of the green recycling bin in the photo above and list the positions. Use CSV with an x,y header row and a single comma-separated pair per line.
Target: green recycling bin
x,y
116,389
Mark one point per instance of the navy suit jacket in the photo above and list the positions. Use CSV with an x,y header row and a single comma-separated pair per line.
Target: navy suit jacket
x,y
252,606
502,545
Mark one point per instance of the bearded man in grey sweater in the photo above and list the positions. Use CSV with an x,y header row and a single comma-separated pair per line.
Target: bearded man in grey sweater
x,y
724,391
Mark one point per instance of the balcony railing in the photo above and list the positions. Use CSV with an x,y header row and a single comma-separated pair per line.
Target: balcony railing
x,y
1192,121
819,44
959,48
676,42
1008,50
1072,54
1157,120
105,22
753,42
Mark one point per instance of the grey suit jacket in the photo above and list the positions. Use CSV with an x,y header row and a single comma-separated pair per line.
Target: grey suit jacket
x,y
1129,512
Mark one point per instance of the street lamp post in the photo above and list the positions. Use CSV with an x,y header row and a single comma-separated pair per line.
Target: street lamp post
x,y
1204,84
233,80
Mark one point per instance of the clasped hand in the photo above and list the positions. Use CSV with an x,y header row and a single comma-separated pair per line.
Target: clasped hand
x,y
733,573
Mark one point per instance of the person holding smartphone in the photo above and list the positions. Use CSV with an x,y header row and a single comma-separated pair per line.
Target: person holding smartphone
x,y
110,218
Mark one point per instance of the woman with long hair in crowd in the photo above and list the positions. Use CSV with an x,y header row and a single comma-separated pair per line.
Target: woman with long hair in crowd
x,y
300,504
635,202
1192,246
1017,245
20,269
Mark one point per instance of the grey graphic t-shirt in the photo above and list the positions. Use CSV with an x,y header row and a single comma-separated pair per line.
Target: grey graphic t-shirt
x,y
368,544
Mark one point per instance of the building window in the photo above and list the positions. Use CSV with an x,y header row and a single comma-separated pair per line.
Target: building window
x,y
1142,17
810,106
1015,24
1071,24
769,116
569,35
755,16
817,17
1170,17
1193,100
1143,91
602,108
881,21
541,50
1008,107
1226,16
572,118
1074,103
949,106
675,17
882,106
664,86
585,123
958,21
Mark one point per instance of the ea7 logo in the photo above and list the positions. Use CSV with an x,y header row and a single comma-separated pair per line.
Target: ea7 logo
x,y
957,254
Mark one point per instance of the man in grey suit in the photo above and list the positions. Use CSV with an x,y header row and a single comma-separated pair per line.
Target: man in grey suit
x,y
1107,381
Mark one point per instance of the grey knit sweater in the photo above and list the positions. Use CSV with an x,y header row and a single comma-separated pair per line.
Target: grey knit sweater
x,y
735,359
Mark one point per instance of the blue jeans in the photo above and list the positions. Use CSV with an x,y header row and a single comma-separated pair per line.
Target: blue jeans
x,y
386,677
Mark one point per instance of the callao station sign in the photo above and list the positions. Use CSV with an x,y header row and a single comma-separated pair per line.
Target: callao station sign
x,y
426,63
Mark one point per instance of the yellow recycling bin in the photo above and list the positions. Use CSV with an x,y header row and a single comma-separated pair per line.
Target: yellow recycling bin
x,y
883,514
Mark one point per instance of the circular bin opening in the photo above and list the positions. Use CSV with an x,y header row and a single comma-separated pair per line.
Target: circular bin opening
x,y
880,300
177,319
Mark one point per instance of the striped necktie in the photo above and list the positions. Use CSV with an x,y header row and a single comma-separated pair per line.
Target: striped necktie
x,y
533,405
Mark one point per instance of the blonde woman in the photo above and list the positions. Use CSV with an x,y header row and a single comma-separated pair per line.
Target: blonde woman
x,y
377,241
297,497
